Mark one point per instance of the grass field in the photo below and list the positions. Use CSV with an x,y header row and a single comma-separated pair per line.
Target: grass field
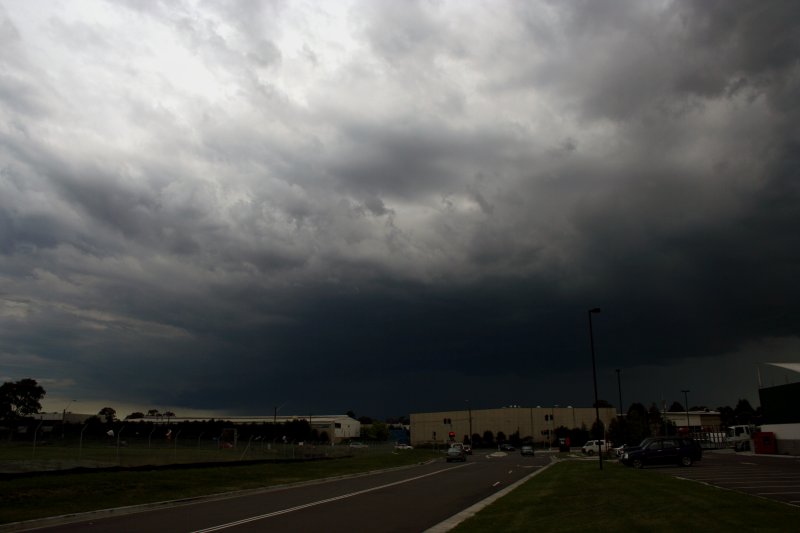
x,y
577,496
55,494
23,457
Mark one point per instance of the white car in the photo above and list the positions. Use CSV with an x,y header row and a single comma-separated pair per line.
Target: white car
x,y
403,446
358,445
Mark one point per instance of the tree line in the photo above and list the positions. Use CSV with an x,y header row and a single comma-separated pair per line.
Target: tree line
x,y
641,422
21,399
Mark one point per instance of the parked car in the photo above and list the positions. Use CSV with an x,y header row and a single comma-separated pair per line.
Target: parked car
x,y
620,450
358,445
526,450
456,453
663,450
594,446
468,449
507,448
403,446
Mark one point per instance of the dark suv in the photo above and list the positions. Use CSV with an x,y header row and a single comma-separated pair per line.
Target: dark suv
x,y
663,451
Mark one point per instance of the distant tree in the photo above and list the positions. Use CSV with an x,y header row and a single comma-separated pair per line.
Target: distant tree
x,y
655,418
20,398
488,438
501,437
726,416
365,420
676,407
109,413
618,431
638,424
95,425
168,414
476,440
323,437
598,429
351,414
578,436
378,431
758,416
134,416
670,428
744,412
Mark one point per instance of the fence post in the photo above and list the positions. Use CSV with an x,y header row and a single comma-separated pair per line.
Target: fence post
x,y
175,446
80,441
119,435
36,432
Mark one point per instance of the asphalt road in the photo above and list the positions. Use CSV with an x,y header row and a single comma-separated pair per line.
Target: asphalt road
x,y
412,499
776,478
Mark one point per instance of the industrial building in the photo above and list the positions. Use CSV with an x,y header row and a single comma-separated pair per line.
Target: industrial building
x,y
536,423
779,407
695,421
338,427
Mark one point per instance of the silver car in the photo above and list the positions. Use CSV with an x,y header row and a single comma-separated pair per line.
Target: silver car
x,y
456,453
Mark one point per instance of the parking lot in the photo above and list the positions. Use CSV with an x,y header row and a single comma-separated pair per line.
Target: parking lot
x,y
772,477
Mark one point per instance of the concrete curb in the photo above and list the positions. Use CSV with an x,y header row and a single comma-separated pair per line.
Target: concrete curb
x,y
457,518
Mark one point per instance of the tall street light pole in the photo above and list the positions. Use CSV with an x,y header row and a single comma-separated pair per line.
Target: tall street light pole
x,y
594,378
619,388
686,401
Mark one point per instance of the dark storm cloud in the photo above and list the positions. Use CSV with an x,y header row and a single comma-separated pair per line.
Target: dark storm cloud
x,y
229,206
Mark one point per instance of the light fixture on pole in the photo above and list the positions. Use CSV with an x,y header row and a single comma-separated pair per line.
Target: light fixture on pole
x,y
594,378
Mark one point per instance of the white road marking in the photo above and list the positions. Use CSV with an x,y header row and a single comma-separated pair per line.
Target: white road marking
x,y
320,502
771,487
497,483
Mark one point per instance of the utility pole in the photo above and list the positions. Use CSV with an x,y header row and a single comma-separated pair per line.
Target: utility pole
x,y
594,377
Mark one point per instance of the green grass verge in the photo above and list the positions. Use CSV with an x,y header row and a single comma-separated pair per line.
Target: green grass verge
x,y
57,494
577,496
22,457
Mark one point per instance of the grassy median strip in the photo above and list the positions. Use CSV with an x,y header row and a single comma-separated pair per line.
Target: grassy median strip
x,y
57,494
577,496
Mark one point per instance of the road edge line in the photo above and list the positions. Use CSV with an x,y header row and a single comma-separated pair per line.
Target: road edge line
x,y
469,512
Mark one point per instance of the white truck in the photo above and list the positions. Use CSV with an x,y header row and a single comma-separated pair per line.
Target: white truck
x,y
594,446
739,437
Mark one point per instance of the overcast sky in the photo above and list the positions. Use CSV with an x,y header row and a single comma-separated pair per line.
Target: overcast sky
x,y
397,206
